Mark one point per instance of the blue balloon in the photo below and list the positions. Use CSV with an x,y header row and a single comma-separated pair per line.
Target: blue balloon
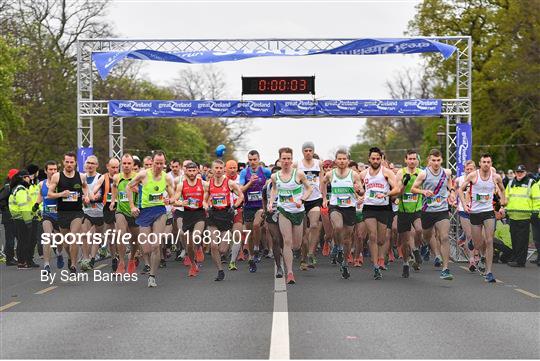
x,y
220,150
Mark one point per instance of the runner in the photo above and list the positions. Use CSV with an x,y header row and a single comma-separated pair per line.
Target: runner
x,y
437,195
287,184
217,200
231,168
109,216
150,210
325,216
191,193
70,189
93,211
483,183
124,220
470,166
408,216
252,181
271,221
312,168
345,184
50,217
380,185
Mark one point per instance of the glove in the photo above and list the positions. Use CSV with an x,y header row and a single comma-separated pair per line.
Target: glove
x,y
35,207
406,179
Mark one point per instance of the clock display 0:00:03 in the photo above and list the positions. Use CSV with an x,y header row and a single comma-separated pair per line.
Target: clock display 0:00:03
x,y
281,85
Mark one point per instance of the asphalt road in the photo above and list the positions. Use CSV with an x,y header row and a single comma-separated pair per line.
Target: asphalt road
x,y
322,316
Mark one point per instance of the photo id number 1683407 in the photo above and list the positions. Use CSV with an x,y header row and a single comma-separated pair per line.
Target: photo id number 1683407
x,y
207,236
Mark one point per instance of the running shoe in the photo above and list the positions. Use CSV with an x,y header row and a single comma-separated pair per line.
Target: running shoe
x,y
415,265
377,273
152,281
417,257
60,261
220,276
193,270
232,266
23,266
132,267
257,258
162,264
334,251
482,265
167,253
350,258
266,253
279,272
102,252
400,253
187,261
252,266
356,263
472,265
382,265
361,259
312,261
72,269
345,271
290,279
490,278
92,262
339,257
85,266
146,269
424,251
470,245
121,268
240,257
114,264
405,273
303,266
326,249
391,257
47,269
437,262
199,255
446,275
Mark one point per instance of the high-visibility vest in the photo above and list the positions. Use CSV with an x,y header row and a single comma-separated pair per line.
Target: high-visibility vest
x,y
535,197
519,205
20,204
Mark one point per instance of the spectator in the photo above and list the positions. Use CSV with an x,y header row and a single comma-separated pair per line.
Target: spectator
x,y
7,221
502,242
519,211
509,176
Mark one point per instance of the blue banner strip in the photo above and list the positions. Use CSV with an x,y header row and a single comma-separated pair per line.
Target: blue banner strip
x,y
273,108
105,61
82,155
464,146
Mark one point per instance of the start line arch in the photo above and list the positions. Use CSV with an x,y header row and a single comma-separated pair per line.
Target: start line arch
x,y
457,111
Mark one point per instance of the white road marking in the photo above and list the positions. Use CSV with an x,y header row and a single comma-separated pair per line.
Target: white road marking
x,y
45,290
11,304
527,293
279,341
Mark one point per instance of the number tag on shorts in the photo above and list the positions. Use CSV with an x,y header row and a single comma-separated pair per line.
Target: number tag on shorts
x,y
51,208
218,201
286,198
344,201
437,199
193,203
155,198
410,197
73,197
122,197
109,197
254,196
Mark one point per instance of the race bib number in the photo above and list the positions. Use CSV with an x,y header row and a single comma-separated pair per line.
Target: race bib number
x,y
410,197
286,198
344,201
109,197
437,199
312,178
218,201
254,196
51,208
193,203
122,197
155,198
373,194
73,197
483,197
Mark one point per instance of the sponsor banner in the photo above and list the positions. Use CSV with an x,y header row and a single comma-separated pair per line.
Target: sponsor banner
x,y
82,155
464,146
277,108
105,61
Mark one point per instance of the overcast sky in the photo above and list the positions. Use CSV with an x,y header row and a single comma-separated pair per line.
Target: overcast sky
x,y
337,77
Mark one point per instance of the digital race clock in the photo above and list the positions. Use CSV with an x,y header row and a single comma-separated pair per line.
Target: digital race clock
x,y
278,85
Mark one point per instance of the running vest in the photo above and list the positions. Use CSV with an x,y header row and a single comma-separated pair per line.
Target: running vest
x,y
73,202
312,175
95,207
151,193
409,202
49,204
376,184
193,194
342,194
220,196
289,193
253,195
438,184
122,202
482,194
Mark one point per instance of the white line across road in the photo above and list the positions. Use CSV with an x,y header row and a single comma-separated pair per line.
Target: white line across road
x,y
279,341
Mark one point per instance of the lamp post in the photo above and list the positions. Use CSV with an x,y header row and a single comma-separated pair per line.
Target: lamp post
x,y
440,137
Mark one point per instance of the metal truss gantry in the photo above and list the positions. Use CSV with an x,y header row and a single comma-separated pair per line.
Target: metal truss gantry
x,y
456,110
